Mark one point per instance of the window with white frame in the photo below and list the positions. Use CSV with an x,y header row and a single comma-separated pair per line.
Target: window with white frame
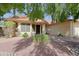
x,y
25,27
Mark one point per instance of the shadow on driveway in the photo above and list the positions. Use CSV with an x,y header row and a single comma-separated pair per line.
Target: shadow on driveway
x,y
23,43
42,49
38,49
61,44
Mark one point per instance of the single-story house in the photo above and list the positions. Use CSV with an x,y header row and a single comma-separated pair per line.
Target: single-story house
x,y
23,24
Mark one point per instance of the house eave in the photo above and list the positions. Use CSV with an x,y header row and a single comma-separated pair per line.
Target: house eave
x,y
26,20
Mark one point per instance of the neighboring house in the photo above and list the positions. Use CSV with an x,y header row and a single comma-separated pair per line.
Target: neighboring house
x,y
23,24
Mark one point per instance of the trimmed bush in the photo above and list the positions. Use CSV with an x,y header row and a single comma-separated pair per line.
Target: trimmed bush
x,y
40,38
25,35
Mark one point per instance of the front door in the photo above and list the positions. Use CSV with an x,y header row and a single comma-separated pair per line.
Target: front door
x,y
37,29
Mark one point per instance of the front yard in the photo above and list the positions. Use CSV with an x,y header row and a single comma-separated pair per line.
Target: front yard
x,y
57,46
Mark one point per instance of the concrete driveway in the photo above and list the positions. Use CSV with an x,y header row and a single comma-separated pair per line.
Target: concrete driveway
x,y
26,47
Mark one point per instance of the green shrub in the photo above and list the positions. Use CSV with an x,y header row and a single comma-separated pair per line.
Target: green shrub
x,y
9,24
25,35
40,38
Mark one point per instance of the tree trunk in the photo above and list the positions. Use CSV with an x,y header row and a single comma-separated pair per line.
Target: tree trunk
x,y
14,12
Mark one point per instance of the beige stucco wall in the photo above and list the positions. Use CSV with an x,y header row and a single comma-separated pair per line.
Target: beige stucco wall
x,y
43,29
66,28
31,30
76,29
63,28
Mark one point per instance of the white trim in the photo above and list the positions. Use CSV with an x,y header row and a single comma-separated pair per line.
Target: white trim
x,y
30,29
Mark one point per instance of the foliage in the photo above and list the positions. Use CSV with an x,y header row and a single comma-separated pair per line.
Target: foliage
x,y
34,11
25,35
4,8
58,11
19,7
40,38
9,24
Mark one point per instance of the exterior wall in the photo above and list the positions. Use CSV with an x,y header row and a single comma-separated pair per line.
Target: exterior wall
x,y
18,29
63,28
66,28
43,29
31,30
76,29
30,33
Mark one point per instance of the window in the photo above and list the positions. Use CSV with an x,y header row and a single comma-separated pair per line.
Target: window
x,y
25,27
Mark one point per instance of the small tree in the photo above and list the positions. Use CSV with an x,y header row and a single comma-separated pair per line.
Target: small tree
x,y
10,28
